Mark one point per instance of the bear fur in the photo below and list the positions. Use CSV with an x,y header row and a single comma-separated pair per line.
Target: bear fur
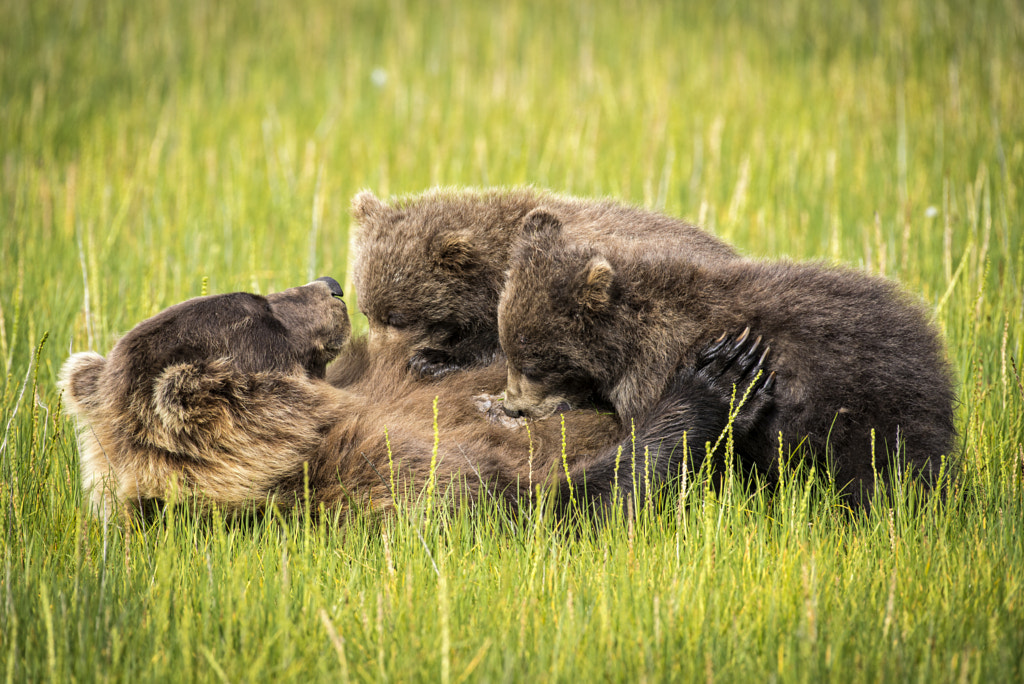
x,y
429,268
224,398
863,377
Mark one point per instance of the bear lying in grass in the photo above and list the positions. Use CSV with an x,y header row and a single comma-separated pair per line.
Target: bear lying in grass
x,y
864,382
225,398
429,268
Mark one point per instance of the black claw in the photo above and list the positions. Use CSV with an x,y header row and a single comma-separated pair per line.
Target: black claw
x,y
740,358
738,347
748,358
713,348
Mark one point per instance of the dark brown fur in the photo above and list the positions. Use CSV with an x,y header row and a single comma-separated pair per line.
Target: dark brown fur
x,y
853,353
225,398
430,268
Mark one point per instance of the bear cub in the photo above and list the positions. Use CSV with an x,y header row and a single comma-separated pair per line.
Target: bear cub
x,y
862,373
429,268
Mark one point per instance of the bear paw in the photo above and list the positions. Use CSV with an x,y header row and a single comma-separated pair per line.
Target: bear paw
x,y
736,364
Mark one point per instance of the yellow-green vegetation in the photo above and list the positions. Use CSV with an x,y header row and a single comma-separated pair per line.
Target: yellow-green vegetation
x,y
151,151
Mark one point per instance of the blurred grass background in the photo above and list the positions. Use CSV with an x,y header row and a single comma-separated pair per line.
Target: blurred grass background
x,y
151,151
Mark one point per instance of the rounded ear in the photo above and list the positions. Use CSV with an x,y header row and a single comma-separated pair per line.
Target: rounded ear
x,y
539,221
190,394
366,208
453,252
80,380
597,281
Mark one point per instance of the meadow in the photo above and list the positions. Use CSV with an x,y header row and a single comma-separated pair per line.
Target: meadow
x,y
155,151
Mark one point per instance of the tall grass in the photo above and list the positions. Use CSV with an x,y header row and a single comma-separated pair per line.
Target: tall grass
x,y
153,150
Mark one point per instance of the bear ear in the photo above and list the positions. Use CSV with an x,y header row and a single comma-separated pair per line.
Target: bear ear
x,y
453,252
541,221
80,380
188,394
366,208
597,281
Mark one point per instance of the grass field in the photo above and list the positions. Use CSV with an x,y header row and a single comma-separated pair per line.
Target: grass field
x,y
152,151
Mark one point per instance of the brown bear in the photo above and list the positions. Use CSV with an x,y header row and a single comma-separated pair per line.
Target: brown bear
x,y
429,268
225,398
864,381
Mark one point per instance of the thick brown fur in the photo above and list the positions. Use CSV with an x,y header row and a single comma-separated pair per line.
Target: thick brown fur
x,y
853,353
225,398
430,267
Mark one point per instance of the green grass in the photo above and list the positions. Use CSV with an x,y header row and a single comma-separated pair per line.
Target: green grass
x,y
149,150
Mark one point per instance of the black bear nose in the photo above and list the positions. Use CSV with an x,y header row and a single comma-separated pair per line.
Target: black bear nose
x,y
335,288
511,413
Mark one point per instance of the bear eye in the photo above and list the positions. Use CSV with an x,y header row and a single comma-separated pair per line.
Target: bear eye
x,y
396,320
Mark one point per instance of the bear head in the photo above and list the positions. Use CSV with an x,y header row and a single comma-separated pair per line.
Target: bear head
x,y
558,296
202,388
429,270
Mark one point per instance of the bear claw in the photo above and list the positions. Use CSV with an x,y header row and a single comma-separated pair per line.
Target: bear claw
x,y
739,362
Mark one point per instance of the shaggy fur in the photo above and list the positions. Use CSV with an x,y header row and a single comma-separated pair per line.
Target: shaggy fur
x,y
430,268
852,352
225,398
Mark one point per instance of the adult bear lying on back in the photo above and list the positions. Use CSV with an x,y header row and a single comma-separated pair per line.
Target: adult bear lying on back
x,y
225,398
857,360
429,268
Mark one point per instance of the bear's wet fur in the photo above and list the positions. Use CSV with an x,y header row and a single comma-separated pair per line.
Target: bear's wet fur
x,y
429,268
224,398
853,353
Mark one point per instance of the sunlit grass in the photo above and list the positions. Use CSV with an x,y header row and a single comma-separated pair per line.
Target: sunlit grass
x,y
153,151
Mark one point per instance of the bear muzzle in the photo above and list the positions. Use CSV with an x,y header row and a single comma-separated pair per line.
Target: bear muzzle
x,y
332,285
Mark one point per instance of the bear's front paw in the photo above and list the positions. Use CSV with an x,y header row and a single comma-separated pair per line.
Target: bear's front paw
x,y
436,363
736,364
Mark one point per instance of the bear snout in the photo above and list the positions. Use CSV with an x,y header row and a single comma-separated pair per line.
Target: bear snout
x,y
332,285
